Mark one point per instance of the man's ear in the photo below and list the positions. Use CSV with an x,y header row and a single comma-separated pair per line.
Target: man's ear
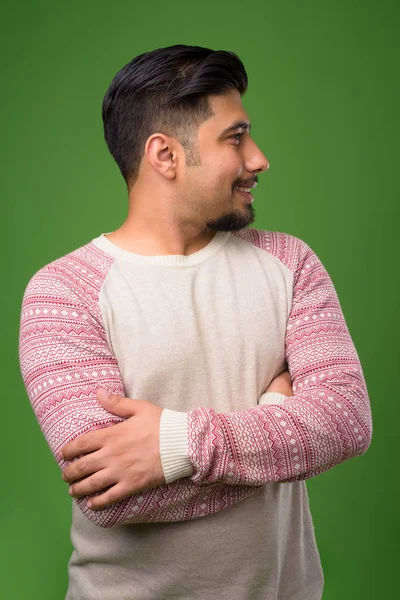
x,y
162,153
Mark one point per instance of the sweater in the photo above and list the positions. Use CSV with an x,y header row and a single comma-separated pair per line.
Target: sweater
x,y
202,336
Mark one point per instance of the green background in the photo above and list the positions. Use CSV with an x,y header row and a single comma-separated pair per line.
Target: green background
x,y
323,99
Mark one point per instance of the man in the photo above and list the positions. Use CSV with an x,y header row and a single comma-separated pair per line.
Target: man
x,y
159,359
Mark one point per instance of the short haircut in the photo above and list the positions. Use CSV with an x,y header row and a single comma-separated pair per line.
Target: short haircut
x,y
165,90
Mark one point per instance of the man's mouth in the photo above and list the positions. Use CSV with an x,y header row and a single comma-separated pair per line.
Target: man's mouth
x,y
245,189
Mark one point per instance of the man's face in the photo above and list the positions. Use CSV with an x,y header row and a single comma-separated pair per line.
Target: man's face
x,y
227,157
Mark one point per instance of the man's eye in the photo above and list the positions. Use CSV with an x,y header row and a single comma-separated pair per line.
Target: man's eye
x,y
236,136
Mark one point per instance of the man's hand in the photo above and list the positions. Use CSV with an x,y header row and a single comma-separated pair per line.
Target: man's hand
x,y
125,458
282,384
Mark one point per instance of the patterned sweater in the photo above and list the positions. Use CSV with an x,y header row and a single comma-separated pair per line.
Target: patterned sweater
x,y
201,335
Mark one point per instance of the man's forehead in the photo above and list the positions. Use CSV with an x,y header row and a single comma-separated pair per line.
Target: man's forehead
x,y
229,113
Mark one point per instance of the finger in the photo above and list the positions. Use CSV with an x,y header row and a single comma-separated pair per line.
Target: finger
x,y
88,442
87,465
117,405
114,494
90,485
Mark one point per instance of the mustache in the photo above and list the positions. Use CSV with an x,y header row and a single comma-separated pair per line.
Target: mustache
x,y
247,183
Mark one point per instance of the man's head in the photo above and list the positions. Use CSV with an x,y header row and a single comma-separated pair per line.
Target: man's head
x,y
165,115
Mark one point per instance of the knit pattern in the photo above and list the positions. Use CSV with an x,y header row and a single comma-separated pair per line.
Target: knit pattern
x,y
65,358
326,422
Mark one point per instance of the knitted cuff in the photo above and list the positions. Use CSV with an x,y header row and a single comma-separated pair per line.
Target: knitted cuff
x,y
174,445
272,398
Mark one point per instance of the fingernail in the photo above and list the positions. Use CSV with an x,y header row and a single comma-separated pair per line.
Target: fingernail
x,y
89,504
102,393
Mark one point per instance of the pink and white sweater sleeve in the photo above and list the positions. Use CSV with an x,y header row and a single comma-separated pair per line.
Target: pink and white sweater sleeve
x,y
327,420
65,358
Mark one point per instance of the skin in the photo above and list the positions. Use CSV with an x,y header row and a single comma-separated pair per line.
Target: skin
x,y
176,209
173,209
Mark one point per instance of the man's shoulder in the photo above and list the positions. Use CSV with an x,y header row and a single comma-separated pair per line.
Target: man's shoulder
x,y
287,248
80,272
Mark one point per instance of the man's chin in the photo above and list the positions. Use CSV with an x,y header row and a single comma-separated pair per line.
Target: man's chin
x,y
234,220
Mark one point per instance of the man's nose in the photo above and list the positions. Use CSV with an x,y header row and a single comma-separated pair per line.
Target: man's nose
x,y
262,164
258,162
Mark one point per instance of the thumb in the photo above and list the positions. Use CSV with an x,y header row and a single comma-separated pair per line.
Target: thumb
x,y
117,405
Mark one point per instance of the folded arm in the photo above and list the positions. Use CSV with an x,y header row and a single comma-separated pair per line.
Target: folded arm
x,y
65,358
326,421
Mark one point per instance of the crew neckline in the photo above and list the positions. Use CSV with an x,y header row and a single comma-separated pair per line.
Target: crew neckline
x,y
172,260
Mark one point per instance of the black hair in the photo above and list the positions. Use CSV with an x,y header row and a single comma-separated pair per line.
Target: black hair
x,y
165,90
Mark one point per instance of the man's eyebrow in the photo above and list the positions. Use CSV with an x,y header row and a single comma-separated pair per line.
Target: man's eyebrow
x,y
237,125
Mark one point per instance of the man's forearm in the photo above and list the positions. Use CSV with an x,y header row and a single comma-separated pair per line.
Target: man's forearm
x,y
328,419
65,358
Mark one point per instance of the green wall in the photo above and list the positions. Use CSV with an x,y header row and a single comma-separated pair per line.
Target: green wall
x,y
323,99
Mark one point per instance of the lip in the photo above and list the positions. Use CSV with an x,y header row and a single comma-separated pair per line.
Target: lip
x,y
246,195
251,185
